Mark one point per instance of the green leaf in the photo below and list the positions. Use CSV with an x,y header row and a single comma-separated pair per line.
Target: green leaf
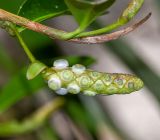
x,y
17,88
40,10
35,69
78,109
86,12
11,6
5,60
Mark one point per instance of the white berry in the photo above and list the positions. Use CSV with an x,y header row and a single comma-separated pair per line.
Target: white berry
x,y
54,83
73,88
62,91
78,69
61,64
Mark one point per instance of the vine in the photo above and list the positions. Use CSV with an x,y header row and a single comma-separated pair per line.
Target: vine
x,y
120,83
61,78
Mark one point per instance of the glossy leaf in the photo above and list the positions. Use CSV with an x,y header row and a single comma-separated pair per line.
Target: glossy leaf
x,y
86,12
11,6
35,69
40,10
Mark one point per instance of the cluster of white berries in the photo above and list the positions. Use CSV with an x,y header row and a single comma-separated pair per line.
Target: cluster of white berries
x,y
64,79
55,83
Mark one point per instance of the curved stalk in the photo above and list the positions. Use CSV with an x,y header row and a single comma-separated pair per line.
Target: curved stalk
x,y
37,27
24,46
31,123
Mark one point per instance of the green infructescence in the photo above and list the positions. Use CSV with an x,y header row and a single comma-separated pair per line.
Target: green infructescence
x,y
77,79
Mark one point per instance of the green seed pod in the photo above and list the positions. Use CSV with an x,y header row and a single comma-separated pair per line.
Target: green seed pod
x,y
78,79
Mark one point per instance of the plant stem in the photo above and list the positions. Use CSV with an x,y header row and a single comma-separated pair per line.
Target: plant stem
x,y
100,31
131,10
24,46
37,119
6,16
58,34
111,36
71,35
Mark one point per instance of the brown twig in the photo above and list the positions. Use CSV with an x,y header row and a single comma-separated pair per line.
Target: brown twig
x,y
35,26
111,36
58,34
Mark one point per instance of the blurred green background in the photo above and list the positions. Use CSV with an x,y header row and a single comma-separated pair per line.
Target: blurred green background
x,y
118,117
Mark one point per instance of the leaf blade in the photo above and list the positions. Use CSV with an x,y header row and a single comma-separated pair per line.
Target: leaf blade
x,y
39,10
86,12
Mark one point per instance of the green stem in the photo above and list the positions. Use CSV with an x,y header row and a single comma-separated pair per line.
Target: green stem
x,y
101,31
36,120
132,9
24,46
70,35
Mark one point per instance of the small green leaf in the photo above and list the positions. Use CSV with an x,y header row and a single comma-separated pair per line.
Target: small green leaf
x,y
86,12
40,10
35,69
